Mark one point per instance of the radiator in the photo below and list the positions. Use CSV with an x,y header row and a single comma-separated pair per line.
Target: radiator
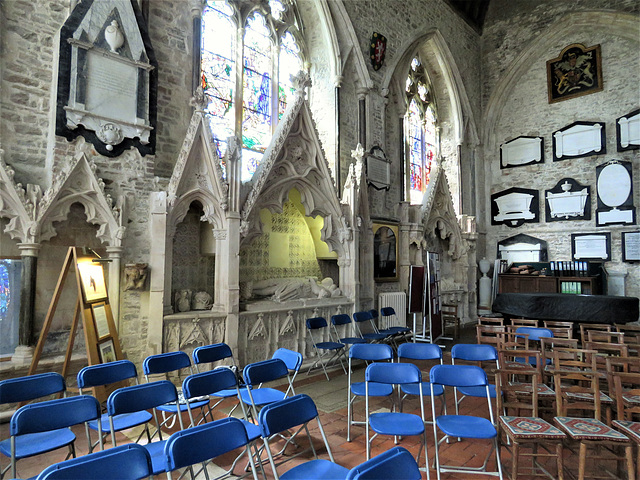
x,y
397,300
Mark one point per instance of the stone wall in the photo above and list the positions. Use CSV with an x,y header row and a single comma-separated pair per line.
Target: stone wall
x,y
515,97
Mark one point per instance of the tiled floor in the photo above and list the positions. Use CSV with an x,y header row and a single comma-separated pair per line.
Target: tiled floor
x,y
331,400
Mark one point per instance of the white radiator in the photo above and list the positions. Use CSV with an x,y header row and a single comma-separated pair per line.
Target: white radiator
x,y
397,300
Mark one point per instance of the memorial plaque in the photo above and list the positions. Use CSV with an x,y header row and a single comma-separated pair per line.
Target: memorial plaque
x,y
591,246
631,246
378,169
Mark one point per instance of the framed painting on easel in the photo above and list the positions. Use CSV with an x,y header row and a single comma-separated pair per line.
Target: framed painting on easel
x,y
94,287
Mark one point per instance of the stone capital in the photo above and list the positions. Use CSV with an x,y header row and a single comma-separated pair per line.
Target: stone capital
x,y
29,249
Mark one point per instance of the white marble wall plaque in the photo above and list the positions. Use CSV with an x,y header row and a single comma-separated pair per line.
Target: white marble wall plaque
x,y
630,246
378,169
568,200
615,194
521,151
591,246
579,140
628,128
111,87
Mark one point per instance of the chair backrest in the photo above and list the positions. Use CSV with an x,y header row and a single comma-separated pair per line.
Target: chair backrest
x,y
265,371
520,395
204,442
141,397
54,414
207,383
106,373
387,311
472,352
287,413
458,376
165,362
374,313
524,322
491,321
360,317
490,334
293,360
126,462
623,387
340,319
394,464
420,351
393,373
212,353
372,352
316,323
23,389
535,333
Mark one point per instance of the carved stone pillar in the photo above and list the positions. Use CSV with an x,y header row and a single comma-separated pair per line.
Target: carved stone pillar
x,y
115,255
24,350
228,277
159,299
362,116
196,14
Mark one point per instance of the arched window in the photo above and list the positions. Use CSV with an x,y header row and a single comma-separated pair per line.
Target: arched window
x,y
270,52
421,134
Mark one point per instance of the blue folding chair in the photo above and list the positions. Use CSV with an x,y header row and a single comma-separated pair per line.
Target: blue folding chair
x,y
394,464
205,442
126,462
368,353
334,349
42,427
146,396
420,352
395,423
374,335
464,426
386,313
298,411
208,354
344,320
110,373
534,334
162,364
476,353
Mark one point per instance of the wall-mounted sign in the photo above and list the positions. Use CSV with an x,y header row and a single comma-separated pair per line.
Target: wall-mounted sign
x,y
631,246
580,139
522,151
575,72
514,206
568,200
614,185
107,78
628,130
378,169
591,246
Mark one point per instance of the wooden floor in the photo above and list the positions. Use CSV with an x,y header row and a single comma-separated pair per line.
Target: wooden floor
x,y
331,400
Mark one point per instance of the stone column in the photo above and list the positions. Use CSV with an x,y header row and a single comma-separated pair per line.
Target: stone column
x,y
115,255
362,116
24,350
196,67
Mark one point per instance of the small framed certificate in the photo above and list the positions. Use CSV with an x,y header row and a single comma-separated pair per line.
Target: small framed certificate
x,y
107,351
631,246
100,318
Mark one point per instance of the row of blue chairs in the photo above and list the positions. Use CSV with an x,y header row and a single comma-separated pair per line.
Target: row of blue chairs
x,y
202,443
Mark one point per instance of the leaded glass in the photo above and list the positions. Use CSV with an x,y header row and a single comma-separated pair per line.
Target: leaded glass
x,y
289,65
277,9
5,290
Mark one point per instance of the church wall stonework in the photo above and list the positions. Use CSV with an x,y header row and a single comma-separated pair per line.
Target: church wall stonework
x,y
526,111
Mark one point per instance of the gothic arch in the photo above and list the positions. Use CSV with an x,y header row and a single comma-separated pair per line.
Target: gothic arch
x,y
621,24
18,205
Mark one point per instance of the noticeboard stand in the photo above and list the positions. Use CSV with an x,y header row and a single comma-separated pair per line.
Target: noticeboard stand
x,y
100,334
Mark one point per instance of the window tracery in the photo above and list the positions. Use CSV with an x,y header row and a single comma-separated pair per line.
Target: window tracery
x,y
421,133
271,51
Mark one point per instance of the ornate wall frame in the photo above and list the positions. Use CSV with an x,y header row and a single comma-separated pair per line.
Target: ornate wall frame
x,y
385,252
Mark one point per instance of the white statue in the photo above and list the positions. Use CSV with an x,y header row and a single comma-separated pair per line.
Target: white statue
x,y
283,289
183,300
201,301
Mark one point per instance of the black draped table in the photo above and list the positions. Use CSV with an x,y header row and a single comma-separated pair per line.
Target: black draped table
x,y
566,307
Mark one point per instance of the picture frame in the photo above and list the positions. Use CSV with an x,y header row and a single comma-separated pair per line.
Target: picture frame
x,y
631,246
107,351
100,319
575,72
94,287
591,246
385,252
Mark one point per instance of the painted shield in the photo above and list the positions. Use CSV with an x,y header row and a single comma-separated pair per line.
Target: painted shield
x,y
377,49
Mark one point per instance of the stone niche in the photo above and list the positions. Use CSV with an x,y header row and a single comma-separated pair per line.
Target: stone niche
x,y
107,78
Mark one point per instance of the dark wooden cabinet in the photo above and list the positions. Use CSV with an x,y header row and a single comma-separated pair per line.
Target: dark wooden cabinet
x,y
509,283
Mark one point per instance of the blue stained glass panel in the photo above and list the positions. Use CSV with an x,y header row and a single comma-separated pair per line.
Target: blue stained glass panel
x,y
5,290
289,64
250,162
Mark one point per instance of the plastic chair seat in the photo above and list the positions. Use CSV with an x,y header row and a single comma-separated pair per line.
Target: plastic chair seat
x,y
375,389
478,391
329,345
466,426
395,423
353,340
414,389
123,421
32,444
318,468
158,459
172,408
262,396
398,330
374,336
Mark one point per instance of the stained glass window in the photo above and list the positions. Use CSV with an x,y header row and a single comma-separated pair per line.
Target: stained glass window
x,y
5,290
267,64
421,134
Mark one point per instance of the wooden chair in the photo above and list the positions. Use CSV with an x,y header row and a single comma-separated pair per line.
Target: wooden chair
x,y
596,440
524,322
561,332
631,337
519,389
557,324
626,388
450,318
584,327
547,346
490,335
494,321
604,337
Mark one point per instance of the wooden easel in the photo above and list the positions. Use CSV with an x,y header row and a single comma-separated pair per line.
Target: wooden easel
x,y
85,308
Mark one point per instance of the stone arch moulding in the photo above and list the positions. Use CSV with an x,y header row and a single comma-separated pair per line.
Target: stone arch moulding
x,y
295,159
439,216
462,118
80,184
19,205
620,24
197,176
